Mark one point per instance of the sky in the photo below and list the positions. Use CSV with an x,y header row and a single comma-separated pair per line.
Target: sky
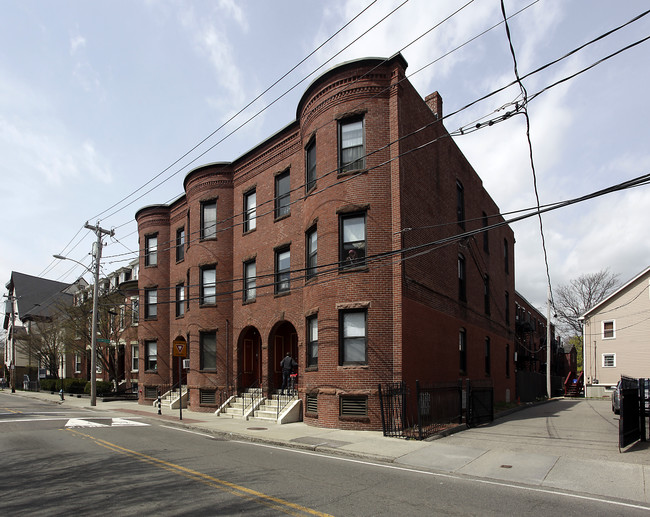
x,y
107,99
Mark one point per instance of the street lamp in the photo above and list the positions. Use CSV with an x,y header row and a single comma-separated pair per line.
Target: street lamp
x,y
99,231
93,335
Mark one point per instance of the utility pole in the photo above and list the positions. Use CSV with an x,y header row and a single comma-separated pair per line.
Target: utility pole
x,y
548,343
93,346
13,344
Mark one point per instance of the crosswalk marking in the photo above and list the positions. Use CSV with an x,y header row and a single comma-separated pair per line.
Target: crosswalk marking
x,y
107,422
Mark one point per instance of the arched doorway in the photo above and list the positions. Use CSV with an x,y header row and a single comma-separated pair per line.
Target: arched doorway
x,y
175,366
283,339
249,358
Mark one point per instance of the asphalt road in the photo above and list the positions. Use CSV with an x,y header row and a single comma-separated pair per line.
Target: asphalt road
x,y
75,462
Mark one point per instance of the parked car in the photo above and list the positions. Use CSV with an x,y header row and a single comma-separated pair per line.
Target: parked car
x,y
616,399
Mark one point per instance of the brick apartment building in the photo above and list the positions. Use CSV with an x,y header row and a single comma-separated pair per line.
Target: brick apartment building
x,y
336,240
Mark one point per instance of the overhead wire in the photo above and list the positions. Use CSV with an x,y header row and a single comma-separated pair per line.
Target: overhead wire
x,y
518,107
428,247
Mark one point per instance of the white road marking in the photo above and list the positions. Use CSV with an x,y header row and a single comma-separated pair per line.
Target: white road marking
x,y
453,476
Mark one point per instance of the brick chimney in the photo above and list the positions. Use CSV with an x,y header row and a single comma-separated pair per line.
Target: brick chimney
x,y
434,101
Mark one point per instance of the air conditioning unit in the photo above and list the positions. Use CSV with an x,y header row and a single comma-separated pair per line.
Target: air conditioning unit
x,y
186,364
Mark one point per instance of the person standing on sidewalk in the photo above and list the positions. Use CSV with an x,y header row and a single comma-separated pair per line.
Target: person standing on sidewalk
x,y
287,365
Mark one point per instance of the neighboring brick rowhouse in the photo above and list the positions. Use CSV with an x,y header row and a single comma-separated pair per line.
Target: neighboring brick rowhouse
x,y
341,249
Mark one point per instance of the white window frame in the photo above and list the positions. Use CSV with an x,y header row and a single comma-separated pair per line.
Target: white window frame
x,y
250,210
135,357
613,356
602,329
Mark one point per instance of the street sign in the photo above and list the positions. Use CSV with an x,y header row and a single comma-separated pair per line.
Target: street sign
x,y
103,340
180,348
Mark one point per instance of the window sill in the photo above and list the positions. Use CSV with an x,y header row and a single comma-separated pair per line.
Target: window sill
x,y
178,261
350,418
248,232
311,369
150,266
283,293
151,318
207,305
180,317
354,366
248,302
352,172
363,268
281,217
208,370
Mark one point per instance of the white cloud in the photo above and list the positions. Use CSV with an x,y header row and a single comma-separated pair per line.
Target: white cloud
x,y
230,8
76,42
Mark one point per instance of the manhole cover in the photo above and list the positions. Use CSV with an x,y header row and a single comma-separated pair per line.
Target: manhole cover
x,y
257,428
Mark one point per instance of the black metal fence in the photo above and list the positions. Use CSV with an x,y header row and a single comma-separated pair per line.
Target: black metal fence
x,y
434,408
634,411
480,402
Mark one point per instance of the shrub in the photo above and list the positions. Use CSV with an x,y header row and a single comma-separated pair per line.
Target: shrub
x,y
103,388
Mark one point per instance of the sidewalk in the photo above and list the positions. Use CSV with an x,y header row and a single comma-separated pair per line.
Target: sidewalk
x,y
566,444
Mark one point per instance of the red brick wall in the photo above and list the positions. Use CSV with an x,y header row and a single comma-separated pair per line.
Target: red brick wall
x,y
412,305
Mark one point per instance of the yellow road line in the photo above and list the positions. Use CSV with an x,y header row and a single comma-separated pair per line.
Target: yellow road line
x,y
11,410
238,490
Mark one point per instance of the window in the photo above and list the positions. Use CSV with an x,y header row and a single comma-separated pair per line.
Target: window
x,y
312,341
462,351
353,240
351,144
609,330
180,300
353,406
150,303
282,195
506,256
208,397
507,308
609,360
486,241
507,360
135,311
77,363
135,357
209,219
180,244
460,204
151,250
310,166
122,317
208,295
250,281
353,334
488,358
462,284
250,211
208,350
282,270
486,294
151,355
311,404
312,253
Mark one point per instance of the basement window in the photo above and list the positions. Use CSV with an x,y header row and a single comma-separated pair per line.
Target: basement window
x,y
311,404
354,406
208,397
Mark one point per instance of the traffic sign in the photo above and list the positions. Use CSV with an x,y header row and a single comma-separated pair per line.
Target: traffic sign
x,y
180,348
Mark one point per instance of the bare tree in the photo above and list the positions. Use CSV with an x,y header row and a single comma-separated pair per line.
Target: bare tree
x,y
112,321
581,294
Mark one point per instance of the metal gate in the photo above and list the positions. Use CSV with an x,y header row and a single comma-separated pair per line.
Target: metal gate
x,y
635,406
392,403
480,402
